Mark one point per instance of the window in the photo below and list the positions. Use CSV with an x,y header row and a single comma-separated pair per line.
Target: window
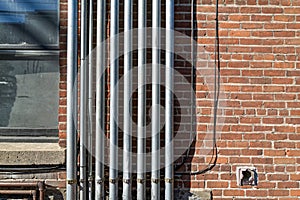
x,y
29,68
28,23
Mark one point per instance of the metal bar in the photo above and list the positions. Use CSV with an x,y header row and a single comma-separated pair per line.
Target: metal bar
x,y
18,184
71,187
83,102
18,192
100,101
141,139
169,100
127,148
41,187
155,135
90,103
114,73
34,195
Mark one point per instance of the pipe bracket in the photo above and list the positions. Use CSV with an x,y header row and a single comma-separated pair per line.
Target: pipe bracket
x,y
127,181
140,181
100,181
113,181
168,180
91,178
71,181
155,180
82,181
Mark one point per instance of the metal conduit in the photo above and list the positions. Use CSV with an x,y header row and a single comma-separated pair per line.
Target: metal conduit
x,y
83,101
90,102
100,101
86,75
155,135
114,111
127,142
71,186
169,177
141,132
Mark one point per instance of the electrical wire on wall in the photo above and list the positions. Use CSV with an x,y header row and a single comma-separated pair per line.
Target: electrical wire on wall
x,y
214,157
32,169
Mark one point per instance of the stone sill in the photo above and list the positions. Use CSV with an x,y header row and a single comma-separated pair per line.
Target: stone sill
x,y
31,154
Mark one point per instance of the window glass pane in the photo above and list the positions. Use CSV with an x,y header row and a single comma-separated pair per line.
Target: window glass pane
x,y
28,22
29,93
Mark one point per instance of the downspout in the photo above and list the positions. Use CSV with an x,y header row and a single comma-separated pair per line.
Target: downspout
x,y
83,101
169,177
141,132
100,101
127,142
71,182
155,135
90,103
114,76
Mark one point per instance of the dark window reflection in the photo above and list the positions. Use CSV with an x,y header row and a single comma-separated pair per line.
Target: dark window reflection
x,y
29,93
28,22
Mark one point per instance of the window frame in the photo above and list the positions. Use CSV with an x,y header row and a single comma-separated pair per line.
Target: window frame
x,y
37,46
32,52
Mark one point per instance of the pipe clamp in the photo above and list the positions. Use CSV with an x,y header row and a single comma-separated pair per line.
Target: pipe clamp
x,y
71,181
168,180
141,181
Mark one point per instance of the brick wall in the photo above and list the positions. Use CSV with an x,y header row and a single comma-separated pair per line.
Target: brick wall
x,y
63,72
259,44
259,102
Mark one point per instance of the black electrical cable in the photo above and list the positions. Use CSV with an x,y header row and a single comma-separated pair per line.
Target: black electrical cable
x,y
193,76
24,169
214,157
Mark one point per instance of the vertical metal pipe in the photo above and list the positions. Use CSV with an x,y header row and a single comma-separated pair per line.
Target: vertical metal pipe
x,y
83,101
100,101
90,103
155,150
71,186
127,148
41,186
169,177
114,75
141,139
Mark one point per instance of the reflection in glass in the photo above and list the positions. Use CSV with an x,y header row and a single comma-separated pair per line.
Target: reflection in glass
x,y
29,93
26,22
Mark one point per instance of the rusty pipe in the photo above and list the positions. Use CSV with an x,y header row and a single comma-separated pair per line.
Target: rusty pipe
x,y
20,192
40,185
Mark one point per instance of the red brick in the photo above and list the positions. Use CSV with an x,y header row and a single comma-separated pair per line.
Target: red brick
x,y
284,161
234,193
276,136
250,9
293,152
217,184
274,152
256,193
272,10
272,120
261,144
254,136
273,89
278,177
278,193
284,144
255,160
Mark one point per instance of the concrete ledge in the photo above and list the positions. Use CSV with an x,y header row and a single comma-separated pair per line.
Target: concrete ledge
x,y
31,154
